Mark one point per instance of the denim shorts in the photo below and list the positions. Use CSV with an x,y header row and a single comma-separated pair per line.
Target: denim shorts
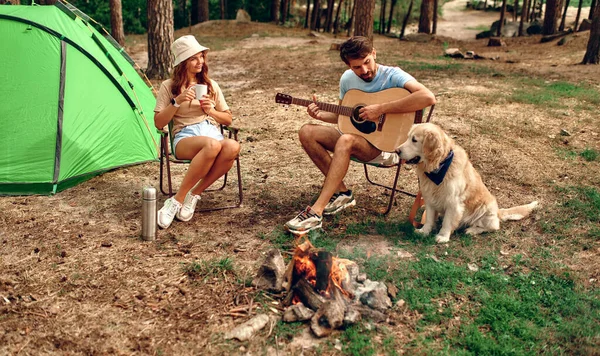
x,y
205,128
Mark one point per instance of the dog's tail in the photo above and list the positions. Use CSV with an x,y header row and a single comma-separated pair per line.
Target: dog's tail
x,y
517,212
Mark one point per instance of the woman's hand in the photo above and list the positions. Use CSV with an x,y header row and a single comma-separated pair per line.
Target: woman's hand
x,y
207,104
187,95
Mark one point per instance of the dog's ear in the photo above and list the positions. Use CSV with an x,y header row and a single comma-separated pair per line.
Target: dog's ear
x,y
436,146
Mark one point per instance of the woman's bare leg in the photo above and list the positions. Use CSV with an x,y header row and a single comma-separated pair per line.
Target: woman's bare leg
x,y
202,151
222,164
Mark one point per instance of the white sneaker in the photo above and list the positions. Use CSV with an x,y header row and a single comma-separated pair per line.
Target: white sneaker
x,y
338,202
189,206
168,212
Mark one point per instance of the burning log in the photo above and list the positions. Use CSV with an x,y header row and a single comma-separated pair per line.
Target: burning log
x,y
330,315
270,274
307,294
323,262
330,286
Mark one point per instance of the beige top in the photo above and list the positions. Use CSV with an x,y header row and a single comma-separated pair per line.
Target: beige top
x,y
188,113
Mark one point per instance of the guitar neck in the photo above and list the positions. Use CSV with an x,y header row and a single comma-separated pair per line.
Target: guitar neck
x,y
336,109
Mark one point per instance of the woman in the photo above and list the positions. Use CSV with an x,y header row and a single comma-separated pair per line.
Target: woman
x,y
196,135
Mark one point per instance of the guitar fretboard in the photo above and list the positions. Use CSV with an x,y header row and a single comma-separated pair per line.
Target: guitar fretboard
x,y
336,109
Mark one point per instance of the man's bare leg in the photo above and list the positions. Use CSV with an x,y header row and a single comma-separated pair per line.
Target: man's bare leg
x,y
318,141
346,146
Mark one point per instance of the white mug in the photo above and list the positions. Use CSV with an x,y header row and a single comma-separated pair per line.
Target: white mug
x,y
201,90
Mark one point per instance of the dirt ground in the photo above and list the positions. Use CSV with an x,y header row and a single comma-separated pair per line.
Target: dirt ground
x,y
76,279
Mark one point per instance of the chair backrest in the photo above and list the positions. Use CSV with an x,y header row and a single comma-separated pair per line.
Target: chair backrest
x,y
420,114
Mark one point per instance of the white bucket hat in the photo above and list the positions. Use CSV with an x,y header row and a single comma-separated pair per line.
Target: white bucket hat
x,y
184,47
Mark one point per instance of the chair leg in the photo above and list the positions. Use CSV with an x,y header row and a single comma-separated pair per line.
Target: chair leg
x,y
240,193
164,162
394,189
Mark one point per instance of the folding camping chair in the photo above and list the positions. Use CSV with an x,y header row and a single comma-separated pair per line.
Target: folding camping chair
x,y
166,158
394,187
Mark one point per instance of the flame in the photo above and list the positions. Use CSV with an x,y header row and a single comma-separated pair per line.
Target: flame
x,y
305,268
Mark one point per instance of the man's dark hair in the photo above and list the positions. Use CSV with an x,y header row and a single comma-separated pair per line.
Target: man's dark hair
x,y
356,47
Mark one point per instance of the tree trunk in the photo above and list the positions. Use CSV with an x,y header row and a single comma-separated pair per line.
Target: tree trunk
x,y
435,16
532,11
202,10
285,8
592,54
223,4
576,25
307,13
553,8
564,16
425,18
410,6
160,37
515,9
336,23
329,19
275,10
502,15
381,29
351,21
364,18
389,24
523,17
592,7
315,18
116,21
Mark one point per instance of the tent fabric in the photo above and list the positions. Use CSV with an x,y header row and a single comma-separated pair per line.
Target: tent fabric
x,y
72,107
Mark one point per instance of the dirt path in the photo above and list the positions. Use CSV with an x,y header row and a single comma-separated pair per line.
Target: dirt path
x,y
464,24
461,23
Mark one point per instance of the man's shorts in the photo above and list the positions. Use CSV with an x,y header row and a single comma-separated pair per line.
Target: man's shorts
x,y
205,128
385,159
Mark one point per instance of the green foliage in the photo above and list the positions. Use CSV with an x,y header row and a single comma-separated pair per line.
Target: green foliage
x,y
589,154
134,14
205,269
582,202
357,341
543,93
286,331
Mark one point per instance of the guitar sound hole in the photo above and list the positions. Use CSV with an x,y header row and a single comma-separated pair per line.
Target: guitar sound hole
x,y
361,124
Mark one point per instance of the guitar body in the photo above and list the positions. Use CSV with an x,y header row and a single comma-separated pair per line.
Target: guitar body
x,y
392,129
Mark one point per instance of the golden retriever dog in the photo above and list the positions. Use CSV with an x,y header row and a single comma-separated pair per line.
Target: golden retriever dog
x,y
451,187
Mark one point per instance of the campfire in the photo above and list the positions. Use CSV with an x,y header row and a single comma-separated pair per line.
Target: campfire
x,y
328,291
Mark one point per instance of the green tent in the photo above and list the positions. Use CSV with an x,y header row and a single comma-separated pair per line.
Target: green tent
x,y
72,105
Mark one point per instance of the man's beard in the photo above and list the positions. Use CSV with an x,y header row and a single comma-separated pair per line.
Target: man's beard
x,y
367,77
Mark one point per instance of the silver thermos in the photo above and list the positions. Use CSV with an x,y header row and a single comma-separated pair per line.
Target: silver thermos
x,y
149,214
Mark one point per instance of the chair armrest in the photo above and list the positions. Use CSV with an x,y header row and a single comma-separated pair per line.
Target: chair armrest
x,y
232,129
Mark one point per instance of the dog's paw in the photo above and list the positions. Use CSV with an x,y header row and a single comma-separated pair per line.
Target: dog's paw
x,y
441,239
423,231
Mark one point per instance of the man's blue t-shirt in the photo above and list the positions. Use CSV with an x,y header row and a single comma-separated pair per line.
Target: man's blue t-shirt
x,y
386,78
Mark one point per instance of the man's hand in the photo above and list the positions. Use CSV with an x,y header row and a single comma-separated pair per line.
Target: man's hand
x,y
313,109
371,112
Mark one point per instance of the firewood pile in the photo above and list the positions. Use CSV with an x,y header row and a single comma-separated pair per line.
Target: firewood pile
x,y
320,289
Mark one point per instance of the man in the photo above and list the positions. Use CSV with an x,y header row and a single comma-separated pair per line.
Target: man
x,y
319,140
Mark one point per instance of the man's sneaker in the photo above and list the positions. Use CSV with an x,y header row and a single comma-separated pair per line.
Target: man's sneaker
x,y
168,212
338,202
189,206
304,222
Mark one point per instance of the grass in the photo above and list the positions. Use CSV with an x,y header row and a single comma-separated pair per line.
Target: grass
x,y
527,303
212,268
589,154
543,93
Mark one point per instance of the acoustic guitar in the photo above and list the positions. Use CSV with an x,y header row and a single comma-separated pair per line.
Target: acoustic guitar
x,y
389,132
